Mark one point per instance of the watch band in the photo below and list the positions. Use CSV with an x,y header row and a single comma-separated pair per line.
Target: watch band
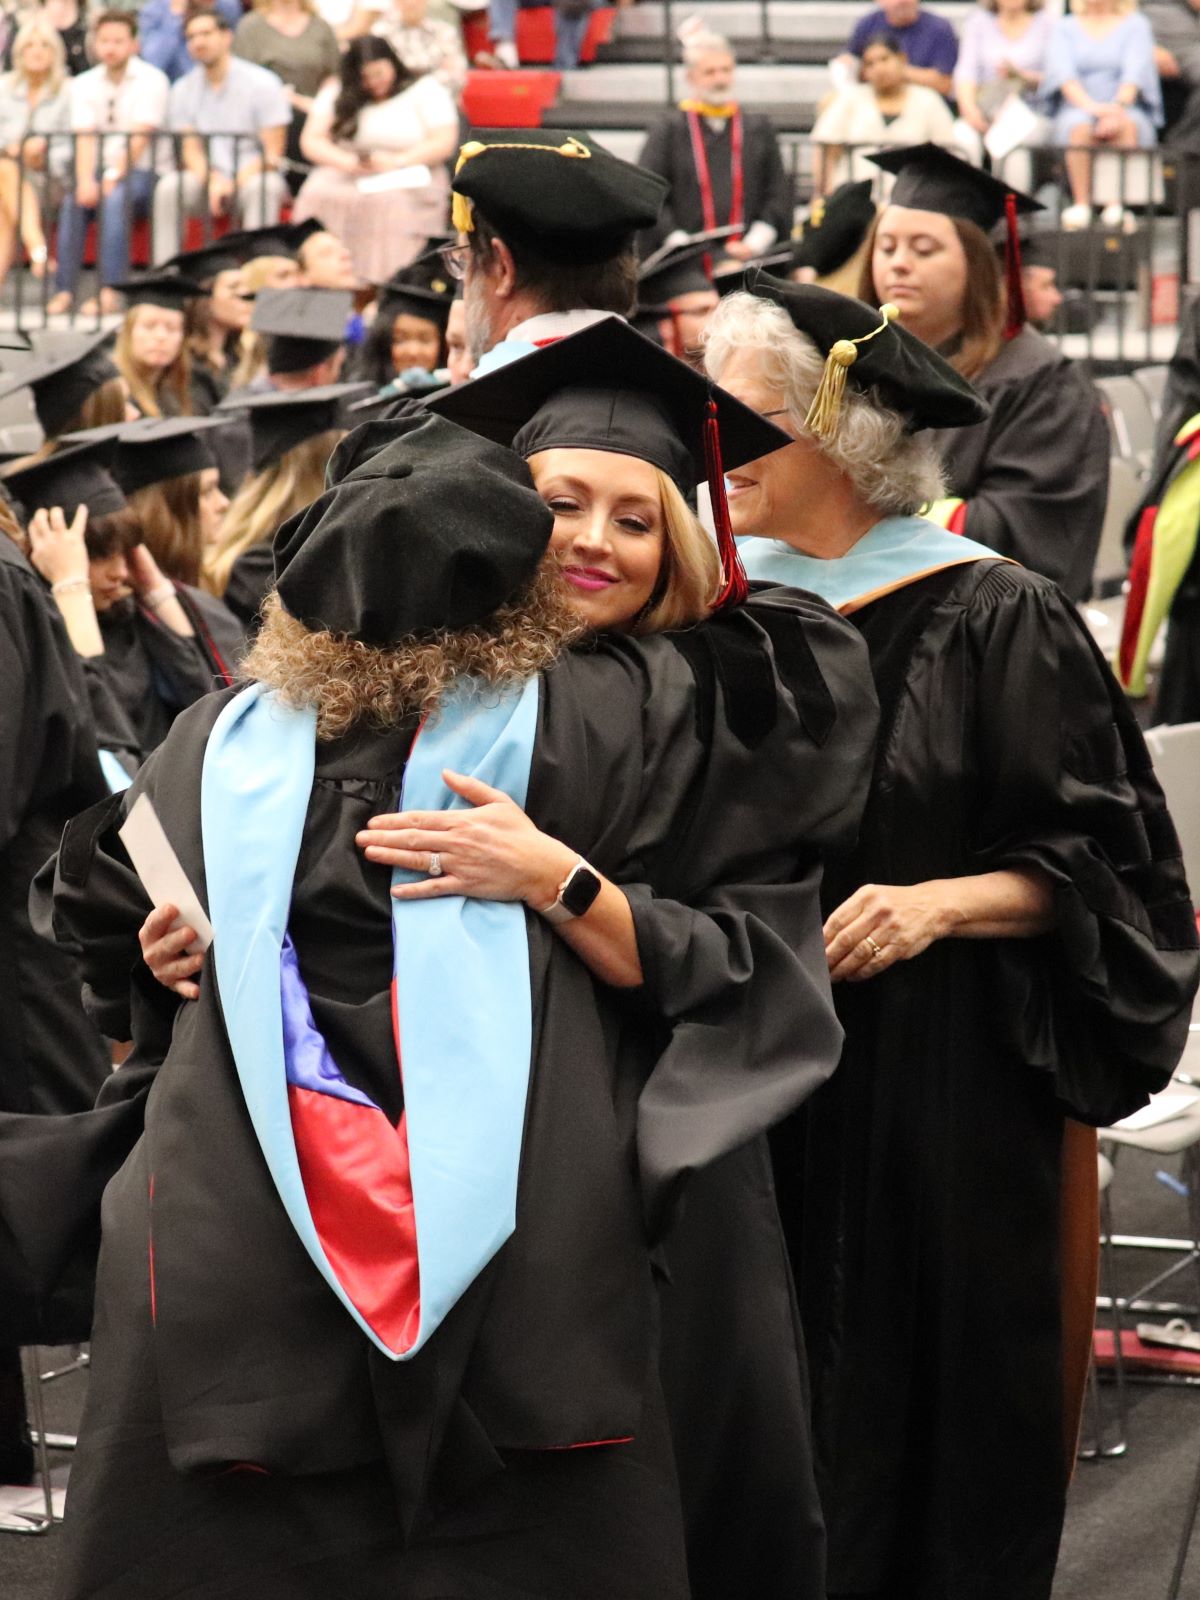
x,y
576,894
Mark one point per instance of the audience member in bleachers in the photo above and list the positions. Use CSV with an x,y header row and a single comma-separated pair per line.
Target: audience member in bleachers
x,y
930,45
423,43
1176,25
151,353
1001,52
163,43
722,164
34,106
294,42
1102,89
367,135
1013,952
1032,481
233,117
69,19
884,109
123,99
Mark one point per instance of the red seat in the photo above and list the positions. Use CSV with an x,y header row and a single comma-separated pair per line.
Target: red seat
x,y
509,99
535,34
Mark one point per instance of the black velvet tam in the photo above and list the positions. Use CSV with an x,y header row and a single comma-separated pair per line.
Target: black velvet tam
x,y
424,527
610,388
70,478
281,421
61,381
908,376
929,178
835,228
556,193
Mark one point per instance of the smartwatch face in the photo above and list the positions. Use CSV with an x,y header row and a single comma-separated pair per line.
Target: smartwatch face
x,y
581,889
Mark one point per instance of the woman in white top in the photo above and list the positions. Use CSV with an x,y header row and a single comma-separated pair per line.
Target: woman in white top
x,y
885,109
1001,52
33,106
366,134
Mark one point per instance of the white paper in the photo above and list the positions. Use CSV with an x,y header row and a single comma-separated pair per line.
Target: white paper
x,y
1164,1107
1016,123
159,869
398,178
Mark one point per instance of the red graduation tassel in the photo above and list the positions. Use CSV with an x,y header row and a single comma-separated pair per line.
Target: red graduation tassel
x,y
734,589
1015,294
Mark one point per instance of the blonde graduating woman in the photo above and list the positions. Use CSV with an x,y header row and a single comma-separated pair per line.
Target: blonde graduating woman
x,y
615,460
293,433
34,107
151,350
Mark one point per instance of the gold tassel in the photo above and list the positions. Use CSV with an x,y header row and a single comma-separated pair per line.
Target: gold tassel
x,y
462,210
822,418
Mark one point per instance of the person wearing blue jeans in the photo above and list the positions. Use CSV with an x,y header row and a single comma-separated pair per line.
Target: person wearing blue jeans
x,y
115,207
571,18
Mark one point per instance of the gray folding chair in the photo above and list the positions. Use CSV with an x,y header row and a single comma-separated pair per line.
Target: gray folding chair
x,y
1153,381
1130,420
1176,755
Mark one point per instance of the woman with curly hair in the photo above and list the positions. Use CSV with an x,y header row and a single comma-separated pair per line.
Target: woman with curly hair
x,y
447,1270
363,135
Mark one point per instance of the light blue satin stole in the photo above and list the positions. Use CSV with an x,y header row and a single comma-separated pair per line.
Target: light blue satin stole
x,y
893,553
461,977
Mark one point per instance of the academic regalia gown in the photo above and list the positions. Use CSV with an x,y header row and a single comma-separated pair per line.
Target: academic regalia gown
x,y
921,1186
150,671
251,575
677,766
767,191
1034,475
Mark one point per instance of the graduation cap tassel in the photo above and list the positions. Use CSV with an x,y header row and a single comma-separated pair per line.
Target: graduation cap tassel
x,y
1015,294
826,405
734,588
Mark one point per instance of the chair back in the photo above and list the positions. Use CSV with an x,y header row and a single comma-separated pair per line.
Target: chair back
x,y
1175,750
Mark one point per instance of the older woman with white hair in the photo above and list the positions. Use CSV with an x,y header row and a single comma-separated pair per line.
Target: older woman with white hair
x,y
1013,946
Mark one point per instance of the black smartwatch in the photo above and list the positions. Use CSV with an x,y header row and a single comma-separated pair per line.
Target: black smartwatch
x,y
577,894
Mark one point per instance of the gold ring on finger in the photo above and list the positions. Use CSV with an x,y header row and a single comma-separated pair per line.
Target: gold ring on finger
x,y
435,864
876,949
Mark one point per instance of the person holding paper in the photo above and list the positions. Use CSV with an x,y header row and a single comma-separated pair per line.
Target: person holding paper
x,y
379,138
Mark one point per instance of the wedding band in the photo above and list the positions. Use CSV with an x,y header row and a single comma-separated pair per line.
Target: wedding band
x,y
876,950
435,864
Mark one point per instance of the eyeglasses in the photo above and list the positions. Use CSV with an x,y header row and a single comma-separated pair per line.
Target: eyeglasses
x,y
455,258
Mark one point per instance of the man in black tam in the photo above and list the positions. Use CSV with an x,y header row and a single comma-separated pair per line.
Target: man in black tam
x,y
423,1131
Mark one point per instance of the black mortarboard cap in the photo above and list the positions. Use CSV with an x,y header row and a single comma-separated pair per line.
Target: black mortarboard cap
x,y
609,388
303,326
555,193
171,290
1042,248
72,477
909,377
424,527
929,178
422,289
235,248
63,379
156,449
682,269
835,228
281,421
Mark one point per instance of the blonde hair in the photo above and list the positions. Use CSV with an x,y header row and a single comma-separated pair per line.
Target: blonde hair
x,y
351,683
38,27
689,579
1121,7
305,5
889,468
266,500
146,395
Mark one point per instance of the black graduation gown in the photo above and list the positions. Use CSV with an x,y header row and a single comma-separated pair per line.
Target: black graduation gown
x,y
766,192
52,1059
151,672
220,635
1035,473
676,766
921,1186
251,575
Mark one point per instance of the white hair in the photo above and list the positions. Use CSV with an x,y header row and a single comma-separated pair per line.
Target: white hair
x,y
697,44
894,471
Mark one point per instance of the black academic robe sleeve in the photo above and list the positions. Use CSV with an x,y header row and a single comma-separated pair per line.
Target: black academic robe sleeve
x,y
1035,473
1102,1004
769,189
659,155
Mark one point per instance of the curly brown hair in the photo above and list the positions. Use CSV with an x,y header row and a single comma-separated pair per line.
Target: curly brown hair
x,y
351,683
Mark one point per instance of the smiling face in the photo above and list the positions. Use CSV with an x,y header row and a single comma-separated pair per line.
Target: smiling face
x,y
919,264
416,342
155,336
766,496
609,530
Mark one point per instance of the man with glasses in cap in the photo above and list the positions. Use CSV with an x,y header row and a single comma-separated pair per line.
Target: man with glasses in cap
x,y
546,222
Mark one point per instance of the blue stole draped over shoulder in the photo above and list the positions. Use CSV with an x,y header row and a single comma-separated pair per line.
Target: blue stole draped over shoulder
x,y
895,552
399,1221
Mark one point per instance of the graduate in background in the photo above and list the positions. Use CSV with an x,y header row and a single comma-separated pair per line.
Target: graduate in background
x,y
1031,482
722,164
73,388
676,297
1013,951
446,1472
